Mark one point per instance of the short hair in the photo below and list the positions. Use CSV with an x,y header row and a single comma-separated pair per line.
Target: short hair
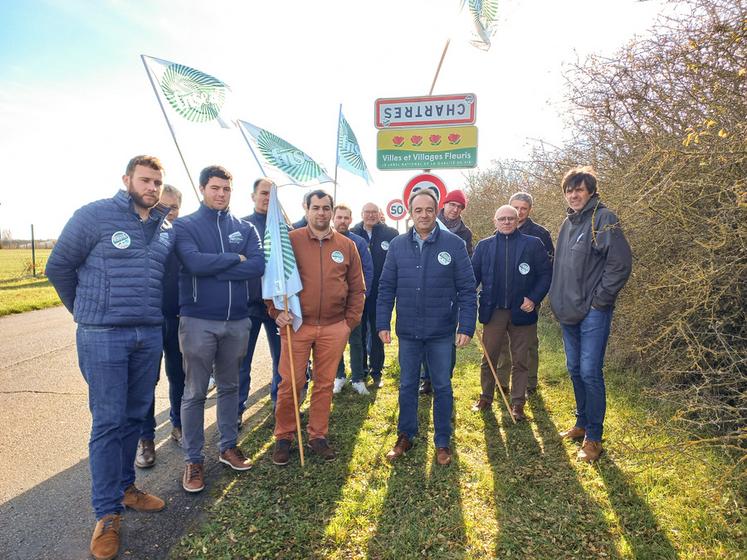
x,y
319,193
214,171
523,196
426,192
258,181
342,207
514,211
146,161
583,174
171,189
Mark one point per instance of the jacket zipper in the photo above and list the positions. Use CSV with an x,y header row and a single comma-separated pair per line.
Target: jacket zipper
x,y
194,289
505,286
223,250
321,283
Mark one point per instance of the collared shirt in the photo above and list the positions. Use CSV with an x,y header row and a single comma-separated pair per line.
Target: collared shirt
x,y
420,240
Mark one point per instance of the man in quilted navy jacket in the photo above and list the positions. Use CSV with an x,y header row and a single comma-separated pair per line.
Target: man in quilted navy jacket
x,y
107,268
429,274
220,255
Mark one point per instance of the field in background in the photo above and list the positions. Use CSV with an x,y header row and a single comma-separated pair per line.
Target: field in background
x,y
19,290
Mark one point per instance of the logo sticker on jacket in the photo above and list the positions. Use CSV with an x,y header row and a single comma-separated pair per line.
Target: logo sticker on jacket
x,y
235,237
524,268
444,258
385,245
121,240
337,257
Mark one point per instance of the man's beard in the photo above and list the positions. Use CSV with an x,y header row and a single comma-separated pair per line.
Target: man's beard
x,y
140,201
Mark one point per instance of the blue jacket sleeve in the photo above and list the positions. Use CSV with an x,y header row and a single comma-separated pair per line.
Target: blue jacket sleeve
x,y
387,291
477,263
544,273
367,263
77,240
196,262
253,266
466,293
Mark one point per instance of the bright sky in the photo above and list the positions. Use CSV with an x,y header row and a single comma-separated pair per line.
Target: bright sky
x,y
75,102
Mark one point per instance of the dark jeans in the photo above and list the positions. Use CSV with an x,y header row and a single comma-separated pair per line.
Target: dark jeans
x,y
120,365
425,374
245,371
585,344
373,351
356,357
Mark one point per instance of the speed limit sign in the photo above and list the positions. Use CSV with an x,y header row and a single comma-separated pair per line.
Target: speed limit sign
x,y
426,181
396,209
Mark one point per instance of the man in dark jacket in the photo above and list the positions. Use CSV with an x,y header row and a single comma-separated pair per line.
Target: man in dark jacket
x,y
378,236
257,308
515,272
107,268
592,264
428,271
220,254
451,216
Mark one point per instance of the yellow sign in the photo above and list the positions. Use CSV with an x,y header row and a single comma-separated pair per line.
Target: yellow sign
x,y
427,148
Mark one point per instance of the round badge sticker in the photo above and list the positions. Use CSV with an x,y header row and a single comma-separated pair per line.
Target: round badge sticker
x,y
337,257
444,258
121,240
524,268
385,245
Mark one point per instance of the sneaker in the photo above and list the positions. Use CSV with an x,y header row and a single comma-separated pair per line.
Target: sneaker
x,y
322,448
339,384
194,477
360,388
176,435
378,380
211,384
590,451
105,539
281,455
443,456
402,446
136,499
235,459
146,454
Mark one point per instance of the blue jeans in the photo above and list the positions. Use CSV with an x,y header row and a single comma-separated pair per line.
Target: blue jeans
x,y
356,357
437,354
585,344
245,371
425,374
175,373
120,365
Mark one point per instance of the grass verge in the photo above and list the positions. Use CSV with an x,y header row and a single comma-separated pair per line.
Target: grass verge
x,y
19,290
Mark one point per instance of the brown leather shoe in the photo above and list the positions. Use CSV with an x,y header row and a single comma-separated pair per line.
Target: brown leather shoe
x,y
146,454
443,456
481,405
281,454
235,459
576,432
517,410
590,451
136,499
321,447
105,540
402,446
194,477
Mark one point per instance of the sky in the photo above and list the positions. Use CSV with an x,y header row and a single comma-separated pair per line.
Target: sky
x,y
76,104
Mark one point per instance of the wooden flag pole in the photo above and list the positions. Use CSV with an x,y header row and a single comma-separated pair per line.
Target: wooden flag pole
x,y
293,384
438,69
337,152
495,376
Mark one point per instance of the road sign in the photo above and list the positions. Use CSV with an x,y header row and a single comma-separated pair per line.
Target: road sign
x,y
396,209
433,110
427,148
425,181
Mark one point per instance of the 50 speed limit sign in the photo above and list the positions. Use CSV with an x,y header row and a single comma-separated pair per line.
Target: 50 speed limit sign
x,y
396,209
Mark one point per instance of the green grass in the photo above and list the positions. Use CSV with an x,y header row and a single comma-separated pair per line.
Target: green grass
x,y
512,491
19,290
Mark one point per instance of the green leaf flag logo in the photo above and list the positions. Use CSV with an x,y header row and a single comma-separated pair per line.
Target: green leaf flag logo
x,y
196,96
349,152
483,14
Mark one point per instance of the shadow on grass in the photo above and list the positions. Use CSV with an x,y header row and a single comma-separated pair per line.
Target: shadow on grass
x,y
23,284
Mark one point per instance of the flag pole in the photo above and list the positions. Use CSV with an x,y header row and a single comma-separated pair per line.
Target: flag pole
x,y
171,128
337,151
495,376
293,383
259,164
440,62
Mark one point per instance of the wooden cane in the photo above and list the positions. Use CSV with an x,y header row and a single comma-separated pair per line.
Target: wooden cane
x,y
495,376
293,384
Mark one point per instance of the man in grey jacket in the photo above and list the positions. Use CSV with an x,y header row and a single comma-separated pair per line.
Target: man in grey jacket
x,y
592,264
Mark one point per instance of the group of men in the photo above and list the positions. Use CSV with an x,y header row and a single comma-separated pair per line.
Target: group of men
x,y
141,284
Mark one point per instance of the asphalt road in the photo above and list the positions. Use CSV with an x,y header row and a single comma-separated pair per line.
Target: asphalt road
x,y
45,507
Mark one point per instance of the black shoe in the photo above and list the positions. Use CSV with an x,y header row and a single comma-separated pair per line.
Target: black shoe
x,y
425,387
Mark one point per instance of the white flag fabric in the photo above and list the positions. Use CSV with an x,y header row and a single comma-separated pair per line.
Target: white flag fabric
x,y
281,276
191,94
284,157
349,155
483,14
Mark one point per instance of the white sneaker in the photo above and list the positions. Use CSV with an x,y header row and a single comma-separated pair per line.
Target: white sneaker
x,y
339,383
360,388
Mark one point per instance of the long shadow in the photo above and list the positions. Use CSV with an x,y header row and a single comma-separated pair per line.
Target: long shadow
x,y
34,284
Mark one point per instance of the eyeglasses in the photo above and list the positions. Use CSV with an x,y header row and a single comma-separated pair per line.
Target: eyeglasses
x,y
506,219
371,212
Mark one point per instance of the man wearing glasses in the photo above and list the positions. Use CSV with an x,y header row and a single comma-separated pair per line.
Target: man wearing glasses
x,y
514,274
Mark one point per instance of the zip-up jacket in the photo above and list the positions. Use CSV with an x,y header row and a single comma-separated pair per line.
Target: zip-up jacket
x,y
434,287
213,282
532,228
366,260
528,274
332,279
256,303
107,269
592,263
378,245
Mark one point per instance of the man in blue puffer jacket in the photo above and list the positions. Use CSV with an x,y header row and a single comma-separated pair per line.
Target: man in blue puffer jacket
x,y
515,274
428,271
220,254
107,268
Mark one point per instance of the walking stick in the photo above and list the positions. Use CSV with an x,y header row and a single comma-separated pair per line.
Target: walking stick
x,y
293,384
495,376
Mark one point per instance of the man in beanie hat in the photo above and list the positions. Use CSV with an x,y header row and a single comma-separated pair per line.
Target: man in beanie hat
x,y
451,216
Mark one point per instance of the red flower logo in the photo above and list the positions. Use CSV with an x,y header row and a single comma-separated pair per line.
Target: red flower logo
x,y
416,140
455,138
398,141
435,139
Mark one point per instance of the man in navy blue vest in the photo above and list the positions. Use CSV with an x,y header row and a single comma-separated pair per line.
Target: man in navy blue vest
x,y
107,268
428,271
515,275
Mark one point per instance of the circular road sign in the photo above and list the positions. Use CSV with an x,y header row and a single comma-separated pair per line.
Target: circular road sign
x,y
425,181
396,209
